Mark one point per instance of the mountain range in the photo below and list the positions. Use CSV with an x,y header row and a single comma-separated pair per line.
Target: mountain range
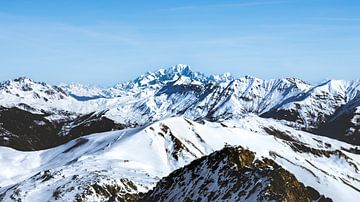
x,y
177,134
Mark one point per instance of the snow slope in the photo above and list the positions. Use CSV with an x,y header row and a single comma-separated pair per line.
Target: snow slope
x,y
113,160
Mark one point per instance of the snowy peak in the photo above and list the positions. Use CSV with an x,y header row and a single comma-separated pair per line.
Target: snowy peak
x,y
320,101
22,82
221,78
23,79
180,71
84,92
24,88
163,76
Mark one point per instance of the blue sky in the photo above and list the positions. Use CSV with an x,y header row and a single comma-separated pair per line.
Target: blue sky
x,y
107,42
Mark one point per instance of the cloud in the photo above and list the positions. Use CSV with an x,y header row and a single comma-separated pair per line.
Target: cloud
x,y
227,5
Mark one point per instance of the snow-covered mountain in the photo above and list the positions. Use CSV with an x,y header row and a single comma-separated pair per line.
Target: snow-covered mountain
x,y
179,91
89,143
105,165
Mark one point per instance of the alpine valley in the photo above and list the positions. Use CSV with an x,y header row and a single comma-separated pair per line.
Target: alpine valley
x,y
180,135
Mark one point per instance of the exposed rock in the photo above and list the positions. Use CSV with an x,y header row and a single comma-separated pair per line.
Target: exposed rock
x,y
23,130
232,174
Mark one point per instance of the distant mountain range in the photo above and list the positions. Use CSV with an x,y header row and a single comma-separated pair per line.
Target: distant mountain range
x,y
81,143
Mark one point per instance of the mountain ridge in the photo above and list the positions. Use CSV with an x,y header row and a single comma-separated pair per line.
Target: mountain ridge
x,y
180,91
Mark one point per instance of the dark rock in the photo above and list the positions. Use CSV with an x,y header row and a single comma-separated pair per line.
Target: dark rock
x,y
232,174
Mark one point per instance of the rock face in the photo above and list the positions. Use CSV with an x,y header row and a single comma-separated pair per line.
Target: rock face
x,y
232,174
26,131
344,124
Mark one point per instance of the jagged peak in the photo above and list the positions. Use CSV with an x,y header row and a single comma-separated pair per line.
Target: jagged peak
x,y
22,79
248,78
221,77
166,75
26,86
177,69
173,73
332,86
296,80
181,68
18,82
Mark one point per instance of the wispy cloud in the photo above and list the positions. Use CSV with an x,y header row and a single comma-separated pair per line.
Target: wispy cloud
x,y
225,5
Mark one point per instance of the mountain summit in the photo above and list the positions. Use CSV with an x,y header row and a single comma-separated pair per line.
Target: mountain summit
x,y
172,74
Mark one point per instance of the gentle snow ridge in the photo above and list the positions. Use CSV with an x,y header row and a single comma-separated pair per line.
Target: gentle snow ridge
x,y
173,143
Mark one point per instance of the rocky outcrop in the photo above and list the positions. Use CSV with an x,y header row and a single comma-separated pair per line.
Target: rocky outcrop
x,y
26,131
232,174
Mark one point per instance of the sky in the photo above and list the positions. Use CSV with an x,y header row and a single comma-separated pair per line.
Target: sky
x,y
108,42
